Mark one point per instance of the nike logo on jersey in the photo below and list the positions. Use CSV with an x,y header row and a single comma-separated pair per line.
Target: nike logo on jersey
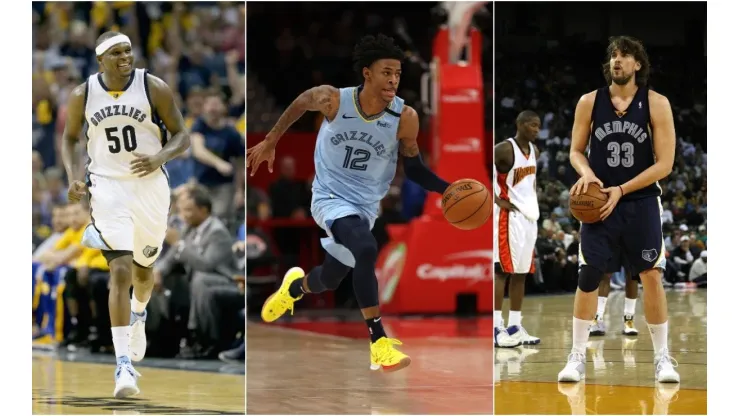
x,y
117,110
345,116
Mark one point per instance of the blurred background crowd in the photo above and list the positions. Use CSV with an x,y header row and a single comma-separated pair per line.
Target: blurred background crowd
x,y
311,46
198,49
550,62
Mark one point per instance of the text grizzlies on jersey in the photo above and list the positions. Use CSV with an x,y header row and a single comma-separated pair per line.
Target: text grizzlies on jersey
x,y
117,110
618,126
363,137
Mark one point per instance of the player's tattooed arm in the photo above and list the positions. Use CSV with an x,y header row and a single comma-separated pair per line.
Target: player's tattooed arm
x,y
414,167
72,129
664,144
408,130
164,102
323,98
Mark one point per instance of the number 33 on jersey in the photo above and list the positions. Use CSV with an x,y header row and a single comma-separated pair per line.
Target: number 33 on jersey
x,y
119,123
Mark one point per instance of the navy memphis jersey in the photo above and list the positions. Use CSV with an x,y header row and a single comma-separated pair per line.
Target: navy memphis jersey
x,y
356,154
621,144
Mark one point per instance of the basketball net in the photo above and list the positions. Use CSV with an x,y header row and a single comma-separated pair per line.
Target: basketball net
x,y
453,95
459,16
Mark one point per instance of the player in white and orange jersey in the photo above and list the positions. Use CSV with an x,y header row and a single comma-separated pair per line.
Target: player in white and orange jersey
x,y
516,214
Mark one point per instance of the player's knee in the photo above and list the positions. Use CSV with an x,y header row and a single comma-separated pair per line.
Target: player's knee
x,y
120,273
652,277
589,278
518,278
365,250
501,277
143,276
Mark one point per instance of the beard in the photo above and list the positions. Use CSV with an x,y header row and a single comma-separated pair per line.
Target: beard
x,y
623,80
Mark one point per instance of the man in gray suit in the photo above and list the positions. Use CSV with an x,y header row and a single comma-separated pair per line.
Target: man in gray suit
x,y
203,252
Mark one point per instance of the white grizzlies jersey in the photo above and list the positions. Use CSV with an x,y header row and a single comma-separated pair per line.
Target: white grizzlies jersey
x,y
518,185
119,123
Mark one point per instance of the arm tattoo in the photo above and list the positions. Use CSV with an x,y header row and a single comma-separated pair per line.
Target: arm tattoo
x,y
409,149
315,99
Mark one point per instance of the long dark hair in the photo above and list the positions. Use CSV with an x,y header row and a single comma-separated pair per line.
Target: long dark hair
x,y
628,46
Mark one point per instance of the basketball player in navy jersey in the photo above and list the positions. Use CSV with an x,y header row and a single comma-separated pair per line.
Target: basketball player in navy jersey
x,y
364,130
123,113
628,132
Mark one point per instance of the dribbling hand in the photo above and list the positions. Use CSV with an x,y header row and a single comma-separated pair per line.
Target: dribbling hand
x,y
581,186
77,191
264,151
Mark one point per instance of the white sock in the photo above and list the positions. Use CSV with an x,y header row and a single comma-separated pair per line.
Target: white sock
x,y
602,307
515,318
121,335
659,334
629,306
138,306
580,334
498,319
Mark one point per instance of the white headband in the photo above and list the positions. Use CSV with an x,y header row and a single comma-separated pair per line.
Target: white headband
x,y
108,43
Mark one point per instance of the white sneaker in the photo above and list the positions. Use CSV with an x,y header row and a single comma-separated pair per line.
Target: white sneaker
x,y
126,377
598,327
664,367
575,369
519,333
137,342
502,339
629,325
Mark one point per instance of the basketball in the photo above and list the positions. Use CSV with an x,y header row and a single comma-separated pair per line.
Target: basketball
x,y
585,207
467,204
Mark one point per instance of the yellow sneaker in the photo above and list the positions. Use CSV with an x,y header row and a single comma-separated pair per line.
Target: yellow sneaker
x,y
280,302
384,355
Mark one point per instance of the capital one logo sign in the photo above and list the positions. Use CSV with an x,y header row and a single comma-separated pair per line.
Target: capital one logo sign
x,y
462,96
453,267
464,145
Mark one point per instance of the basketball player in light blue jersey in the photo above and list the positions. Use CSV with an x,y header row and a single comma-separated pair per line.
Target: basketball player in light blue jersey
x,y
364,130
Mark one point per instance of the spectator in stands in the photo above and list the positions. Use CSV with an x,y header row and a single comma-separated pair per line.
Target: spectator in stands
x,y
683,259
698,272
239,248
219,151
258,204
69,245
290,199
59,224
203,256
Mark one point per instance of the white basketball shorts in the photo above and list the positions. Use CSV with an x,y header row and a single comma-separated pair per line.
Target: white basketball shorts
x,y
513,250
130,215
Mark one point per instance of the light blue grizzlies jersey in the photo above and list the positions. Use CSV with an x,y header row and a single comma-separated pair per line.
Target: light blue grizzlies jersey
x,y
356,155
355,158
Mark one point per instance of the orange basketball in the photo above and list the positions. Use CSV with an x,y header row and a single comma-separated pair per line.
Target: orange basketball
x,y
467,204
585,207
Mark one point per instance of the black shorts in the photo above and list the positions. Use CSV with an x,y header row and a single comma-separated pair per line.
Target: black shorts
x,y
632,236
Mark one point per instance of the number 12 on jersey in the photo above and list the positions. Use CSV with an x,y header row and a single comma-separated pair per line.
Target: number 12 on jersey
x,y
114,142
358,161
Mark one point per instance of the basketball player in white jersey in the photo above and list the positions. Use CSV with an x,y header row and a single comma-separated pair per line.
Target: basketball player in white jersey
x,y
516,213
123,113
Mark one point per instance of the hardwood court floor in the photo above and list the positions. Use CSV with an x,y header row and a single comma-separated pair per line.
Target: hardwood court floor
x,y
63,387
309,369
620,372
